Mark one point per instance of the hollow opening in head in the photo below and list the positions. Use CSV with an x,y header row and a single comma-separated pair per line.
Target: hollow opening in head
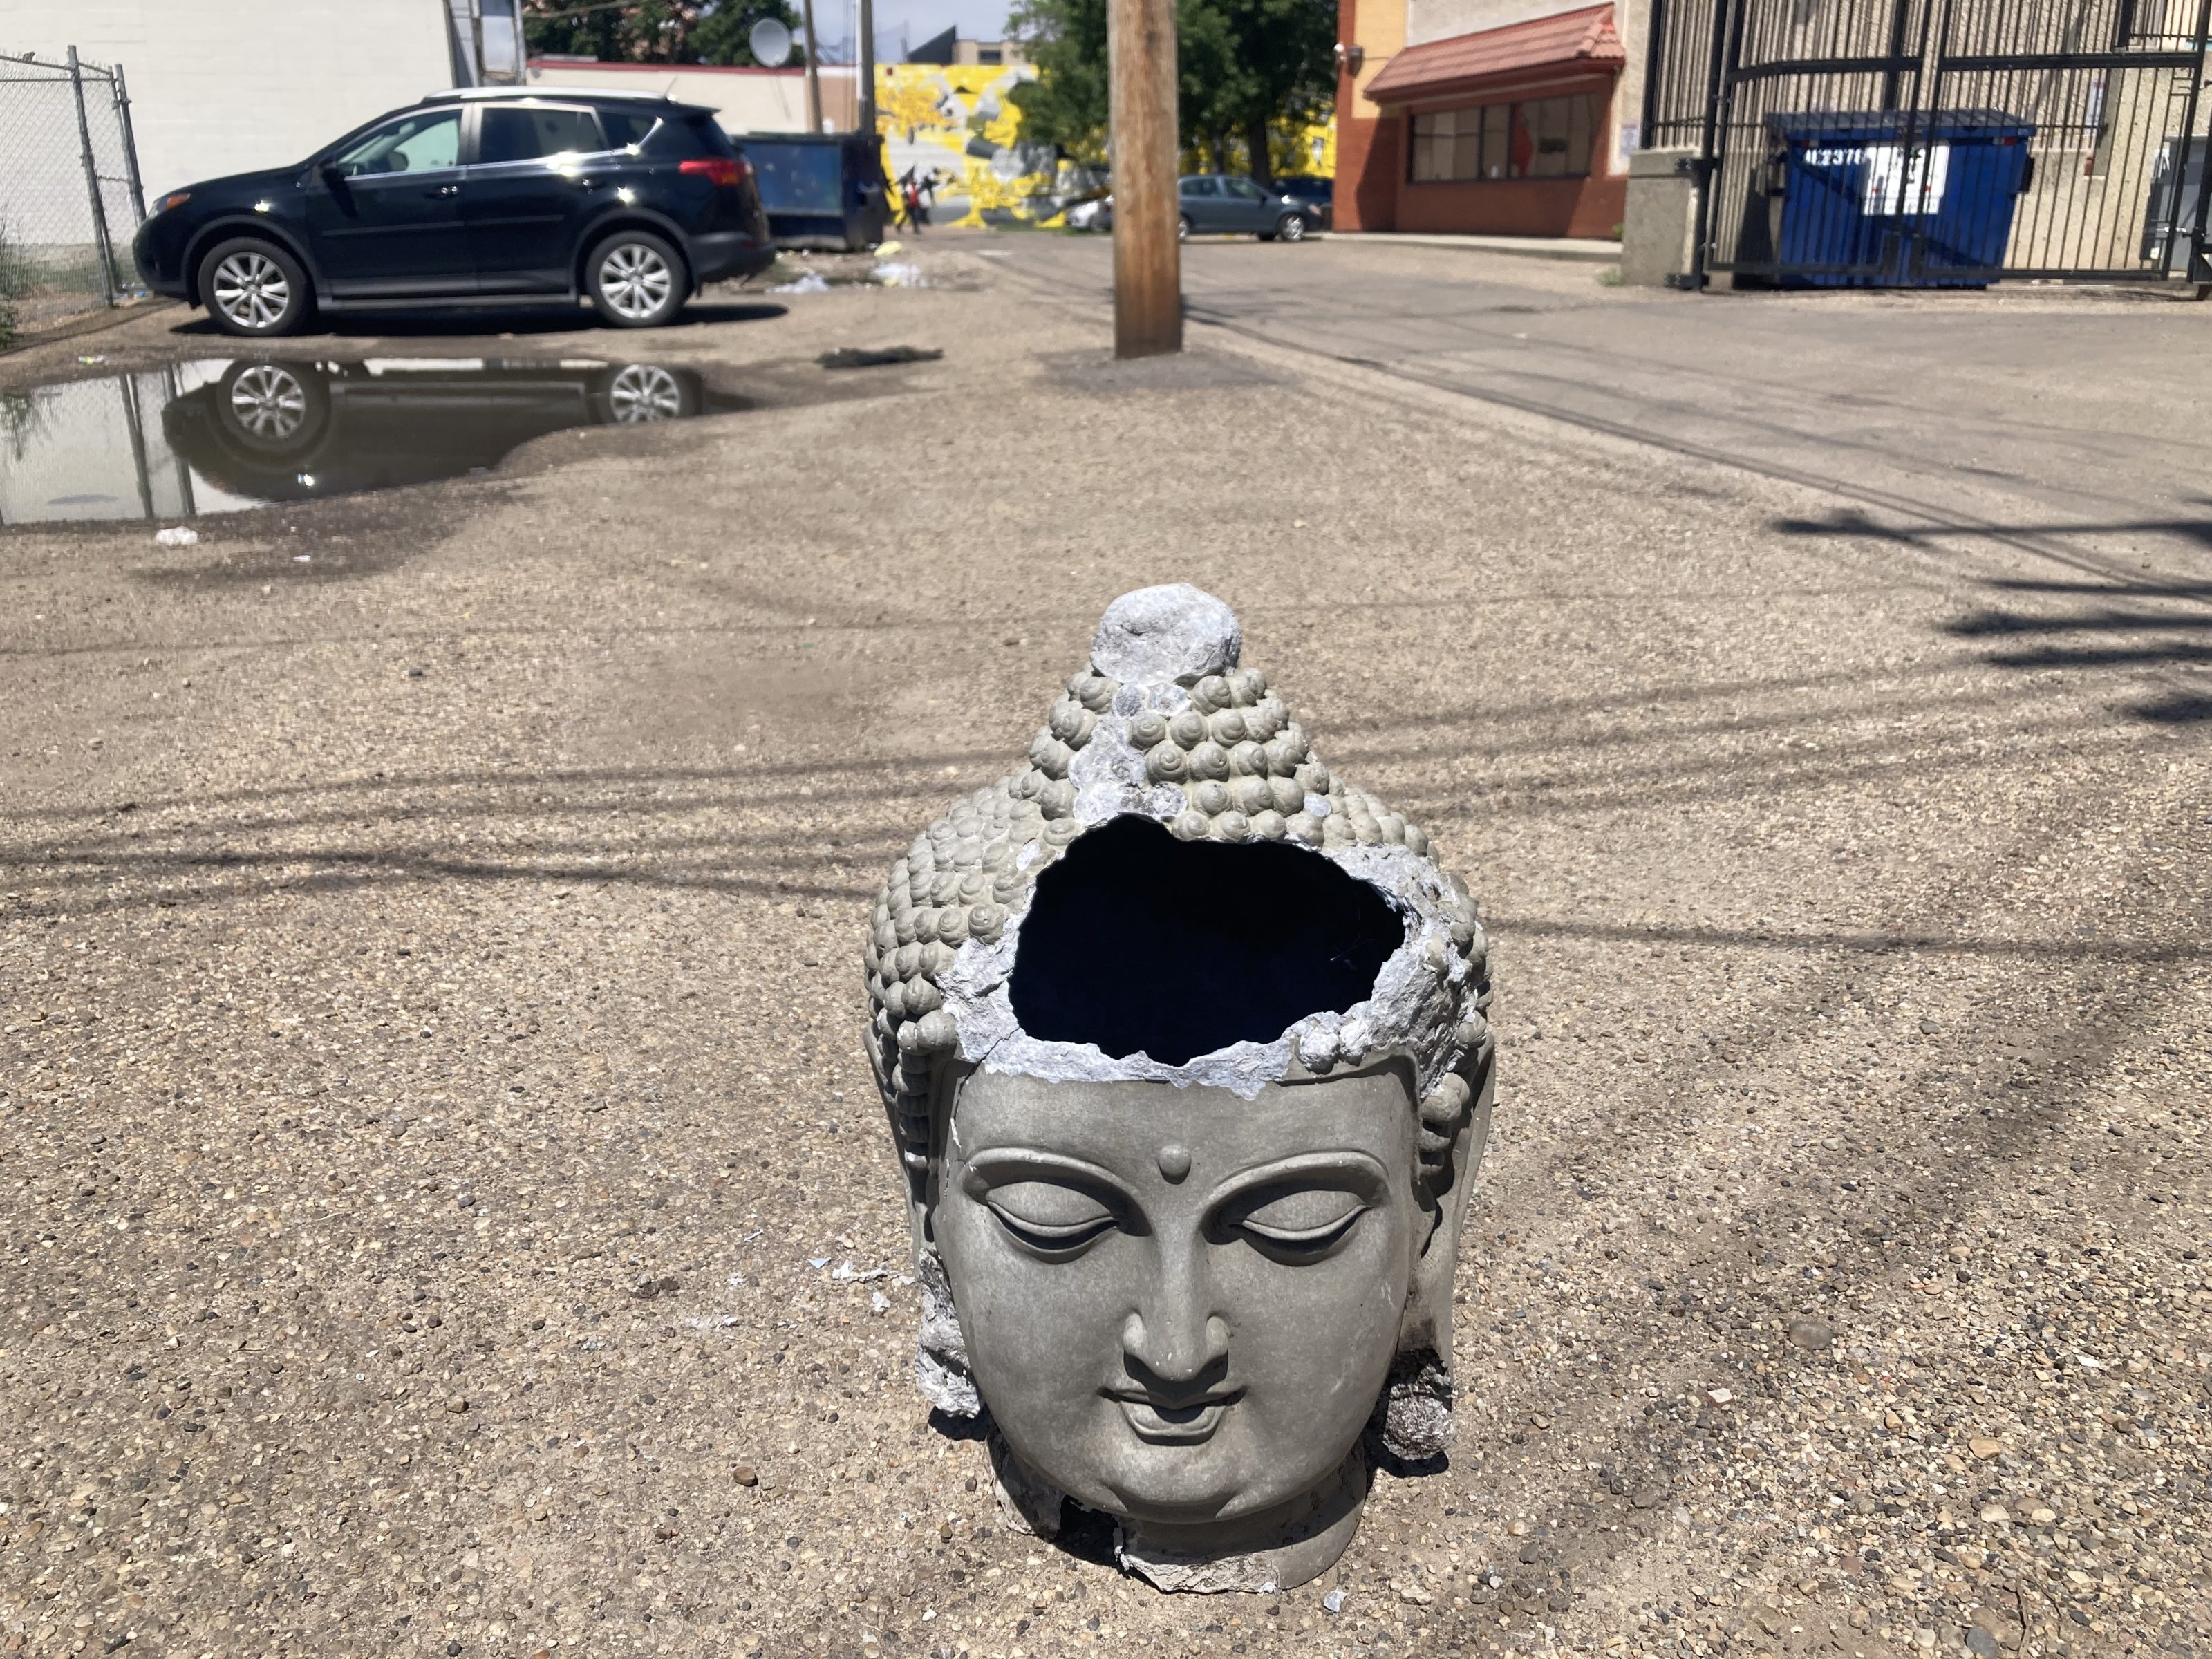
x,y
1140,943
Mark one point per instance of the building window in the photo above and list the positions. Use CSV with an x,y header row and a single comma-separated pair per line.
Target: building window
x,y
1541,138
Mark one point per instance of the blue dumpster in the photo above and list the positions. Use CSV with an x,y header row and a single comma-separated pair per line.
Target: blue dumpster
x,y
1888,200
821,190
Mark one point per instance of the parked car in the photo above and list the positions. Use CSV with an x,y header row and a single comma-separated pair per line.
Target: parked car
x,y
1223,201
1315,192
1091,213
495,194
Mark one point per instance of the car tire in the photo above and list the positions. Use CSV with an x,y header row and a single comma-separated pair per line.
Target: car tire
x,y
272,411
637,280
638,394
1182,228
1290,227
255,289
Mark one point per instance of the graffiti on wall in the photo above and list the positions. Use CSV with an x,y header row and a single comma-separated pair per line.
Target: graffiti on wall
x,y
958,126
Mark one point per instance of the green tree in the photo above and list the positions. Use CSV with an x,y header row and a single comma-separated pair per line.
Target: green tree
x,y
650,31
1067,105
1250,64
722,36
1243,66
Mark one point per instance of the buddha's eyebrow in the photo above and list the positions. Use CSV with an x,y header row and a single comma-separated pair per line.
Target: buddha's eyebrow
x,y
996,1164
1346,1167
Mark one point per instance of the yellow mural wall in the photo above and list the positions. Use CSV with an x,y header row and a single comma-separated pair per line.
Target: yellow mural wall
x,y
959,125
958,122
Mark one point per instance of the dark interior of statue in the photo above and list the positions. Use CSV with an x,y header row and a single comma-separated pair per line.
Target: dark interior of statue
x,y
1139,942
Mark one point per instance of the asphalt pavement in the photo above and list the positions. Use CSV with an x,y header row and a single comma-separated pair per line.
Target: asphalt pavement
x,y
447,1209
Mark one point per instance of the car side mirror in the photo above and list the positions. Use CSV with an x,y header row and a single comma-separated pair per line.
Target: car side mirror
x,y
330,174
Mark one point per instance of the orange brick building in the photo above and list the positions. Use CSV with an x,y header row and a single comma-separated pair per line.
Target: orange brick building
x,y
1486,116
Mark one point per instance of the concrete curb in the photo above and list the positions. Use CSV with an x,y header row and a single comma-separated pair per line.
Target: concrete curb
x,y
1576,249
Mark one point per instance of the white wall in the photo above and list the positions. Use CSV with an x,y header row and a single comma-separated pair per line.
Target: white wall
x,y
229,86
1439,20
743,100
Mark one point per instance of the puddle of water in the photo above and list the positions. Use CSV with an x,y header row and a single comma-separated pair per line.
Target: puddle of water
x,y
223,435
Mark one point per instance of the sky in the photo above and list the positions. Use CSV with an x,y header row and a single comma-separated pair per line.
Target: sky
x,y
981,20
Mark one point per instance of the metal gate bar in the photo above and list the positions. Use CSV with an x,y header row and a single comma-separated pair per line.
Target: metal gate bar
x,y
1950,142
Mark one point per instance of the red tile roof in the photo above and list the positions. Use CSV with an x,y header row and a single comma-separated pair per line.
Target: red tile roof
x,y
1464,62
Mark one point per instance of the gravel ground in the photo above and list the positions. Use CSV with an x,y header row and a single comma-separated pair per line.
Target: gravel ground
x,y
446,1211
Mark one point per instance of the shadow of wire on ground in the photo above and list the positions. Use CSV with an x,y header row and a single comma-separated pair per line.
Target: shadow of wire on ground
x,y
2088,625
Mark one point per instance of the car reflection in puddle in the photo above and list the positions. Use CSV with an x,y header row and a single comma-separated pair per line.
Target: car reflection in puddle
x,y
221,434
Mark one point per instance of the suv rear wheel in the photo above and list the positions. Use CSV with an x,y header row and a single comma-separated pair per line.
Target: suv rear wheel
x,y
254,288
637,280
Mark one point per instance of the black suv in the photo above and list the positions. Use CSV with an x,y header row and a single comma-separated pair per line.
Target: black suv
x,y
481,196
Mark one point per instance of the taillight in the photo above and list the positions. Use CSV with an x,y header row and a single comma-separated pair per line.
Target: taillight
x,y
725,171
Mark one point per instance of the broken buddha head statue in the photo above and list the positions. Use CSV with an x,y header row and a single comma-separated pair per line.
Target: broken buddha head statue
x,y
1185,1049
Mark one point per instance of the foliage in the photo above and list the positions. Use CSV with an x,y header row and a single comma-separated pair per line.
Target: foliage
x,y
1243,66
1065,106
16,282
652,30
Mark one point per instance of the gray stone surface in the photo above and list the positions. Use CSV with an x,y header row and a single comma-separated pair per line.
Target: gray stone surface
x,y
567,924
1168,635
1052,1345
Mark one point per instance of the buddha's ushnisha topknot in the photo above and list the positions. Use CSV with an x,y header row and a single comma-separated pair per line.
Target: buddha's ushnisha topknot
x,y
1164,723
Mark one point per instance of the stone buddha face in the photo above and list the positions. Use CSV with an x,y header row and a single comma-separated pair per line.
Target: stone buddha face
x,y
1184,1047
1182,1305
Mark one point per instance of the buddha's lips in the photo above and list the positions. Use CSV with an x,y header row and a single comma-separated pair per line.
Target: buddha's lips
x,y
1178,1422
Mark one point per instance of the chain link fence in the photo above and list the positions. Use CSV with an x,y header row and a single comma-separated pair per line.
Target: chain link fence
x,y
69,195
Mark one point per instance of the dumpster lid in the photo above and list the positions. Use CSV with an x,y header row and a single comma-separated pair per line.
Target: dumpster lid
x,y
1859,126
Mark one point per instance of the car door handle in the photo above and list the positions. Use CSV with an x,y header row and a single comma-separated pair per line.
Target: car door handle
x,y
443,190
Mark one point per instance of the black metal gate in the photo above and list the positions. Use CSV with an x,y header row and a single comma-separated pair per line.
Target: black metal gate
x,y
1939,142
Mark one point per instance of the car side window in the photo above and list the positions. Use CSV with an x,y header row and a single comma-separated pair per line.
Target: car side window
x,y
525,133
1246,189
627,131
1200,188
414,143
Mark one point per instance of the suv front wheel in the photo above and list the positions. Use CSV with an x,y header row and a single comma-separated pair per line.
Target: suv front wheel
x,y
637,280
254,288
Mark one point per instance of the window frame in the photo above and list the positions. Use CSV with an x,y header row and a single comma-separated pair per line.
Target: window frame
x,y
475,134
1439,141
355,140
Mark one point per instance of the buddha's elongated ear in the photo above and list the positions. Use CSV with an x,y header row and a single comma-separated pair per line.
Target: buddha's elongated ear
x,y
940,1353
1414,1416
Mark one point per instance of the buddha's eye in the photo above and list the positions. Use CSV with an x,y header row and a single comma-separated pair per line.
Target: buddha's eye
x,y
1303,1223
1048,1218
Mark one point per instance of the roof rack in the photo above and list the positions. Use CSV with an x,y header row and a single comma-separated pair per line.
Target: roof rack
x,y
559,93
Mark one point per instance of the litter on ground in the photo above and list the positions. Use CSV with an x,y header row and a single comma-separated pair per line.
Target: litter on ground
x,y
862,357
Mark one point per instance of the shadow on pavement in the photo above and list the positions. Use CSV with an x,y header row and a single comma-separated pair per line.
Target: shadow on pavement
x,y
555,318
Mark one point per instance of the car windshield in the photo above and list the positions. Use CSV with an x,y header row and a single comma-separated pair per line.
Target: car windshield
x,y
420,142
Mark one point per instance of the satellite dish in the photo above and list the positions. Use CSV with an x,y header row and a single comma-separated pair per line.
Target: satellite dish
x,y
771,43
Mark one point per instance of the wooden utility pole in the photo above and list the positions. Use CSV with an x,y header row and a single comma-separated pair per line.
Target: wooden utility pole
x,y
1140,45
863,110
813,71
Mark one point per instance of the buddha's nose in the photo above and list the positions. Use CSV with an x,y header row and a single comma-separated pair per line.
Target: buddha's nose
x,y
1174,1333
